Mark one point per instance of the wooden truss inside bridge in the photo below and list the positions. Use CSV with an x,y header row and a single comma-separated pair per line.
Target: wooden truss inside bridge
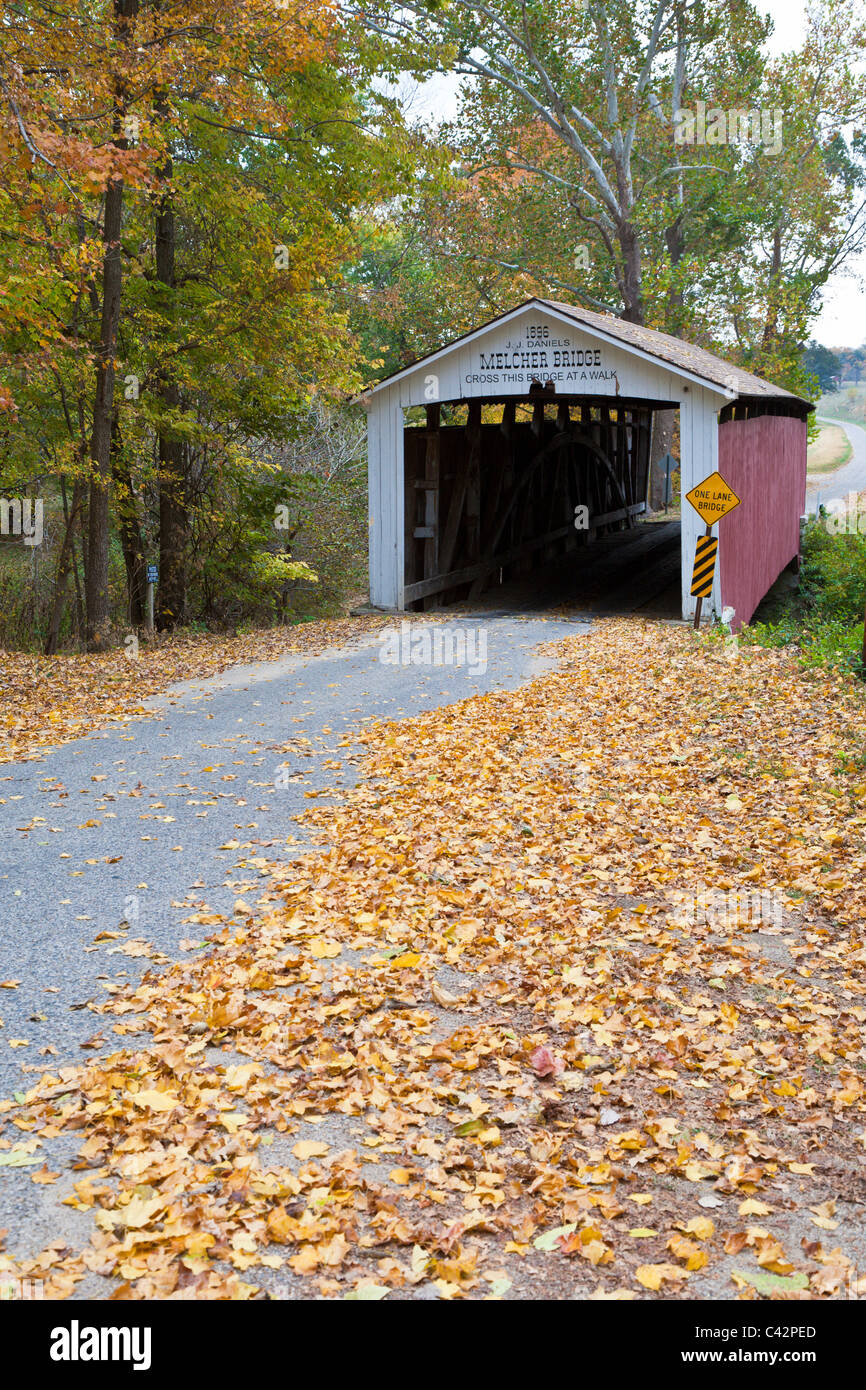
x,y
496,494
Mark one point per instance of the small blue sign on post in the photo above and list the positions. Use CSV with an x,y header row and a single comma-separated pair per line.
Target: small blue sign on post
x,y
152,573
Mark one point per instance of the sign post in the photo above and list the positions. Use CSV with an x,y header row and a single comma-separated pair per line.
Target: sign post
x,y
712,499
152,578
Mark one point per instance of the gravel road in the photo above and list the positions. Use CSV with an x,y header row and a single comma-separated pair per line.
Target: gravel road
x,y
851,478
127,823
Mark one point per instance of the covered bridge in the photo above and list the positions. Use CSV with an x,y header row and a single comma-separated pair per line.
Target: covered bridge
x,y
543,418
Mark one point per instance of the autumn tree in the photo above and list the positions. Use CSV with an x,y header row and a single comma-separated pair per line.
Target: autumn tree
x,y
572,170
178,206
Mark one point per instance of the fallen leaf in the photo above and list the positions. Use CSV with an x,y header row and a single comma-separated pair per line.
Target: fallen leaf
x,y
770,1283
546,1063
310,1148
653,1276
162,1101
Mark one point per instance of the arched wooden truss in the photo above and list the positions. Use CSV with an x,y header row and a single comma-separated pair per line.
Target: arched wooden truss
x,y
496,499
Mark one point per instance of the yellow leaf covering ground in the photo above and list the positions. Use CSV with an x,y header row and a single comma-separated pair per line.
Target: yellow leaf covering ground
x,y
48,700
530,1069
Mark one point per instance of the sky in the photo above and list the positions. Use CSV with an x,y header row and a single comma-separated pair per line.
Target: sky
x,y
842,321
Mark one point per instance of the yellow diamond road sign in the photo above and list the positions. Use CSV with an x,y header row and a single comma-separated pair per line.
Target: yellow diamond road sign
x,y
712,499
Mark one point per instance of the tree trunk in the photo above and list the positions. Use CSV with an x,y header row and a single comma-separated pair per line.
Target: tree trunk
x,y
171,608
96,578
98,519
632,283
79,575
664,422
64,563
171,594
676,243
770,336
131,538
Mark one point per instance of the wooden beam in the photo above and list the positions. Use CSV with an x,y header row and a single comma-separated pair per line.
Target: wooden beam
x,y
471,572
448,541
412,453
621,514
473,483
429,531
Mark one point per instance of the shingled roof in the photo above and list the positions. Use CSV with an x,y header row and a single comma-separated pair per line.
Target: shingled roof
x,y
677,352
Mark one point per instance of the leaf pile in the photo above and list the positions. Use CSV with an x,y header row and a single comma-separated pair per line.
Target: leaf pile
x,y
481,1045
48,700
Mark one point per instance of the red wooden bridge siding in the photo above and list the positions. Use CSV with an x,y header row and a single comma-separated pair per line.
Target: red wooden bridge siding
x,y
764,460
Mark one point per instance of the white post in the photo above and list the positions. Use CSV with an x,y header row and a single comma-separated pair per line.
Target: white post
x,y
385,454
699,457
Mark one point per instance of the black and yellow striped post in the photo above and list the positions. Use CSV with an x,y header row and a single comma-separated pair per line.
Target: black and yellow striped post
x,y
704,570
712,499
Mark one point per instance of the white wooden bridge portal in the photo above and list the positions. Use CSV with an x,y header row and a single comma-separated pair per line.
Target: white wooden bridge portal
x,y
549,409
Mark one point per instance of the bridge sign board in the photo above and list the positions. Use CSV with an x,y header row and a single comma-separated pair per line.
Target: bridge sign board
x,y
712,499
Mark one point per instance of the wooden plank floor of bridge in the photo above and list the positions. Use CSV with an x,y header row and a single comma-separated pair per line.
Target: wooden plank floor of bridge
x,y
625,572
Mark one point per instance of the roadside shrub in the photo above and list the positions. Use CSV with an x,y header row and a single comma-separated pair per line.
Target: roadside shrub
x,y
834,573
823,618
